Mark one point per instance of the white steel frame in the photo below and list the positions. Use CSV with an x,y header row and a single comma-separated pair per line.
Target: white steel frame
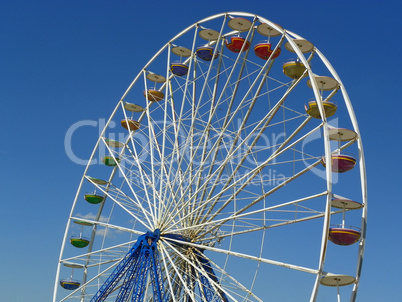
x,y
196,168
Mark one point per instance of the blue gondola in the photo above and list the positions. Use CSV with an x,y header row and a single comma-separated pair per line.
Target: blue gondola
x,y
179,69
206,53
70,284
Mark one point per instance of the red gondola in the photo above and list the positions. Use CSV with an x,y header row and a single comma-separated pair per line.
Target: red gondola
x,y
263,50
344,236
341,162
236,43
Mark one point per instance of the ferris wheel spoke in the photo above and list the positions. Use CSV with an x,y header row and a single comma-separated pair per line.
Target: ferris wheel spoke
x,y
108,225
278,223
185,282
262,125
235,147
124,201
180,176
168,187
225,285
102,256
197,175
128,177
179,274
135,203
250,257
208,288
247,218
190,136
175,154
243,59
236,215
233,284
129,205
124,172
169,278
189,142
162,173
159,161
205,136
152,141
169,103
245,179
138,183
286,181
272,190
201,271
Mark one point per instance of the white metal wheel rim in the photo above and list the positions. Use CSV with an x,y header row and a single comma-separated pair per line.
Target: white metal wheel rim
x,y
316,91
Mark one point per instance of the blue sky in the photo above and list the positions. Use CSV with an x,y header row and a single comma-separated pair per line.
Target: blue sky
x,y
67,61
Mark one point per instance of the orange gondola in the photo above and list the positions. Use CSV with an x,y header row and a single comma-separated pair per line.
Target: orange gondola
x,y
130,124
154,95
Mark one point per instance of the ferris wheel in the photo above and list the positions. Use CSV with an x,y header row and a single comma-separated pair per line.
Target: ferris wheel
x,y
220,176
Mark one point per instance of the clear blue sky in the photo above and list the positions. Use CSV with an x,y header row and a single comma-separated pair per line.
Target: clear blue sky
x,y
66,61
